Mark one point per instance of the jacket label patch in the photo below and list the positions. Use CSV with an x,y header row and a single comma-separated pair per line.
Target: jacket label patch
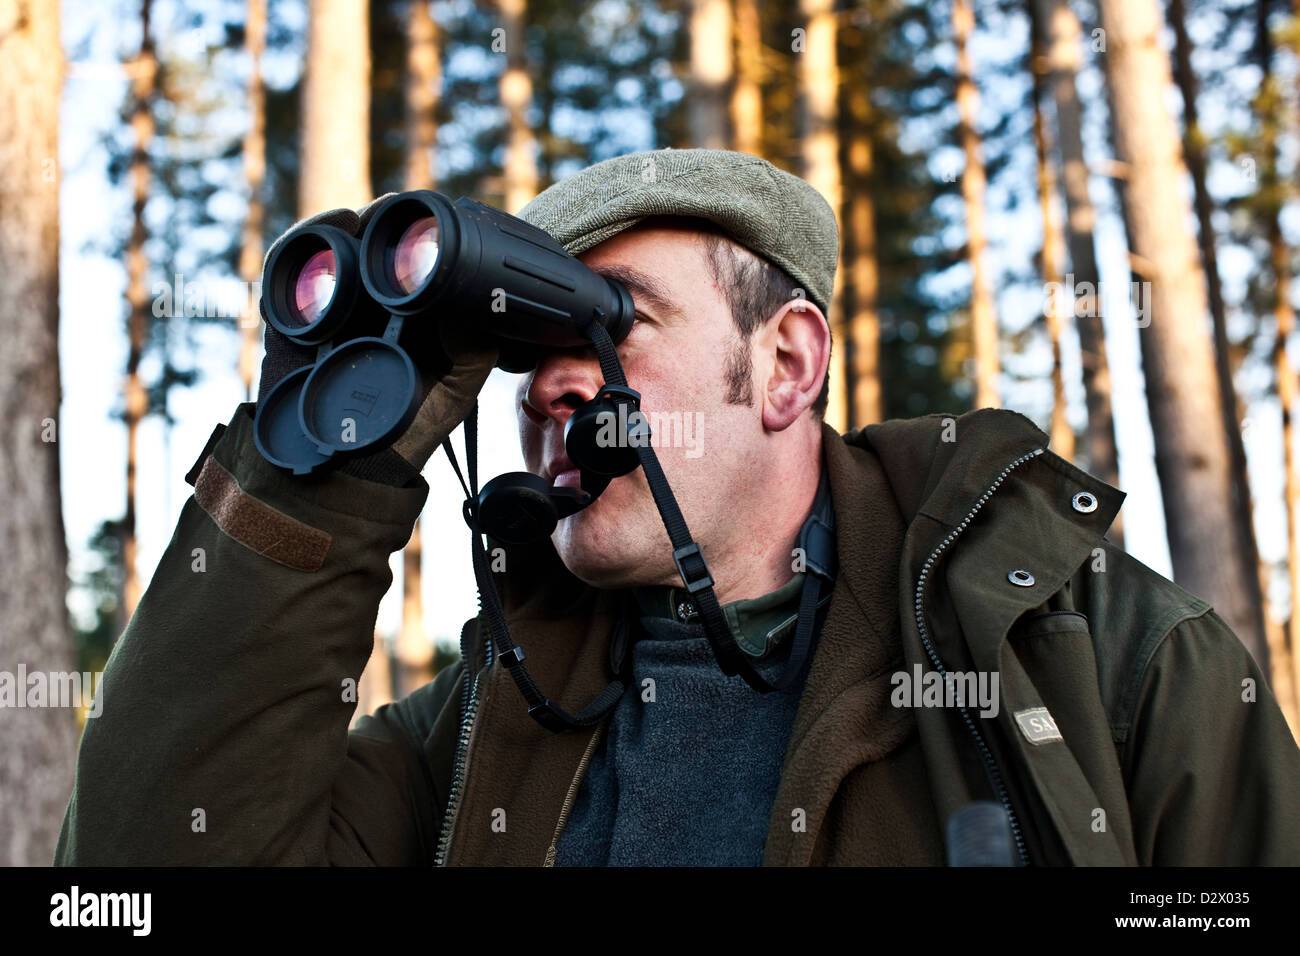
x,y
1037,725
255,524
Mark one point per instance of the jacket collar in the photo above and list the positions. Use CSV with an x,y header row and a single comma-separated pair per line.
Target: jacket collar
x,y
944,472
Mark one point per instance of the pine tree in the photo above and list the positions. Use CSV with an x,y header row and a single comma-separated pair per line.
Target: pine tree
x,y
711,74
36,766
983,316
335,145
1053,251
143,72
819,88
254,156
1193,457
1194,150
747,92
1270,110
1061,38
861,267
516,94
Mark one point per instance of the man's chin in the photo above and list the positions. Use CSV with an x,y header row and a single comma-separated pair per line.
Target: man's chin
x,y
599,553
588,551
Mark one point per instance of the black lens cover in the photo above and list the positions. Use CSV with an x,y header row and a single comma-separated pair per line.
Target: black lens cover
x,y
360,397
277,429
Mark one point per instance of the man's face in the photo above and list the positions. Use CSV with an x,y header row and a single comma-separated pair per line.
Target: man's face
x,y
676,356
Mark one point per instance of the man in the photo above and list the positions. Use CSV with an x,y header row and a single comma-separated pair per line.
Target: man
x,y
981,641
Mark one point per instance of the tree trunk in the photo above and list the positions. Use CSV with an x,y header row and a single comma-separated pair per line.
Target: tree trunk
x,y
1062,40
984,323
516,94
710,81
1268,108
1192,450
422,79
335,147
1288,647
862,268
1197,164
1285,644
250,250
414,652
747,96
143,72
819,83
36,761
1060,433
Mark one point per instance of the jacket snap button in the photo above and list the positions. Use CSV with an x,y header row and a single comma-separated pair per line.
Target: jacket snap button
x,y
1084,501
1021,577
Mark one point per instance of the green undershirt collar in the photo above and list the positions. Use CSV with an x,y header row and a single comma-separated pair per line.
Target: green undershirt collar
x,y
759,624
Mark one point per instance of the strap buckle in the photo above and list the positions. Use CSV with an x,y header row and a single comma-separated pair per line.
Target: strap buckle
x,y
548,716
698,577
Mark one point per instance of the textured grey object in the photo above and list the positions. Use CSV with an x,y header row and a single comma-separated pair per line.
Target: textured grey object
x,y
767,210
690,779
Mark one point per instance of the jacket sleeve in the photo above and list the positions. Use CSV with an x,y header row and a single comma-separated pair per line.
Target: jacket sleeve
x,y
1212,768
222,734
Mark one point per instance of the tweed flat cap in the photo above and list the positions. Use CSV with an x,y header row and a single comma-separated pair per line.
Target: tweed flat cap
x,y
770,212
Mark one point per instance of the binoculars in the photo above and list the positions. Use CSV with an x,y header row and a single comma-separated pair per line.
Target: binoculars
x,y
370,307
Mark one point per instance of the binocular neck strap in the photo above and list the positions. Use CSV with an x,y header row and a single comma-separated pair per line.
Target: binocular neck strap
x,y
540,707
690,561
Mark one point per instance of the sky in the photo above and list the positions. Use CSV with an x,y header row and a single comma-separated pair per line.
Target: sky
x,y
93,353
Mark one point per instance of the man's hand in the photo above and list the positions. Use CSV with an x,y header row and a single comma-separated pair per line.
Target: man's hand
x,y
452,380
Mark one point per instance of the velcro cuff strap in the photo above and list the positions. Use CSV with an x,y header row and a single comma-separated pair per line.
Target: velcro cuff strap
x,y
255,524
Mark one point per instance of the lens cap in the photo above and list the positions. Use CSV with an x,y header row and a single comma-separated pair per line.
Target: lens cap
x,y
360,397
277,429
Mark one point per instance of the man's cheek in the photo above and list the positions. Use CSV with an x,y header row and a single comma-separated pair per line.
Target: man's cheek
x,y
530,444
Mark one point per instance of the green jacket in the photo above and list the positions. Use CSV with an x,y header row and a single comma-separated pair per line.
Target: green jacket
x,y
224,734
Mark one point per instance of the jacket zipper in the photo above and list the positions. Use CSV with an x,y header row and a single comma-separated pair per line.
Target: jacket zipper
x,y
469,708
985,754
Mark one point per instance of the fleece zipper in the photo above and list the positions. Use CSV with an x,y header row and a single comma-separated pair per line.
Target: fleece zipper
x,y
922,582
572,795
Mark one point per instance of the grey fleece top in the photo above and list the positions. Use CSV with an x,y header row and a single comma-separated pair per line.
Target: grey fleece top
x,y
686,771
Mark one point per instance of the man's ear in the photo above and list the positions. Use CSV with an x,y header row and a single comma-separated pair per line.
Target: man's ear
x,y
793,349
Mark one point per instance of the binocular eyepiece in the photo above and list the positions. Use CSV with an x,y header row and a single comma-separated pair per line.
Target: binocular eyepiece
x,y
370,307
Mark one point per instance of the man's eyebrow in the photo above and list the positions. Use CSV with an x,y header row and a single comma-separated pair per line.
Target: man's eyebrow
x,y
643,287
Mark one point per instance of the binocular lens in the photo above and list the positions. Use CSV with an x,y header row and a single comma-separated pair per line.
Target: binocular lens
x,y
314,288
416,254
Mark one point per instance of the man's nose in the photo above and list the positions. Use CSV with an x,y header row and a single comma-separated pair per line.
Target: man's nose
x,y
563,380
